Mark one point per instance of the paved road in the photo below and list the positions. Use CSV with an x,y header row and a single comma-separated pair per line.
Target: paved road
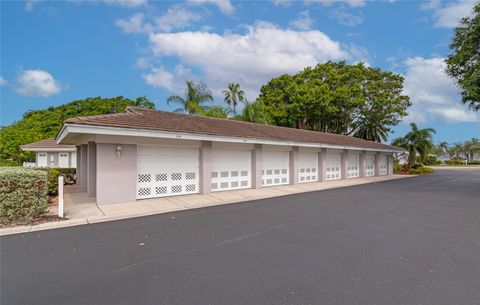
x,y
410,241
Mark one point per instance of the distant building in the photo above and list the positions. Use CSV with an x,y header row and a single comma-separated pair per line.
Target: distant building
x,y
50,154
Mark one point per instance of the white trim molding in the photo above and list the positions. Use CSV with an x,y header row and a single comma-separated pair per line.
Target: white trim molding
x,y
120,131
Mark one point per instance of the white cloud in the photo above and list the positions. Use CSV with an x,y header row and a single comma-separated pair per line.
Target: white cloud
x,y
252,58
454,115
433,94
29,5
344,17
37,83
160,78
225,6
3,81
283,3
448,16
134,24
304,22
176,17
351,3
127,3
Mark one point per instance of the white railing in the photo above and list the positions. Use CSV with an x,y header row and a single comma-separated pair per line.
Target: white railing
x,y
29,164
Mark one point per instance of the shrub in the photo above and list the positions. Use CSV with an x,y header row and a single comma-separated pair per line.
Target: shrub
x,y
7,162
23,194
430,160
420,170
415,169
454,162
69,175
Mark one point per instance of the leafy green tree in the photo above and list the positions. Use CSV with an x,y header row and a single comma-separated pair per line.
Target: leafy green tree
x,y
196,95
416,141
464,63
38,125
233,95
255,113
339,98
215,112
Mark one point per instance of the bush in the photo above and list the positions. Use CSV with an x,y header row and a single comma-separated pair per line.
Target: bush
x,y
430,160
415,169
69,175
23,194
6,162
454,162
420,170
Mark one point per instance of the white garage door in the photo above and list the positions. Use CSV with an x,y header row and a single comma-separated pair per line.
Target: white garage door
x,y
353,170
42,159
63,160
383,165
275,167
369,165
333,166
308,167
231,169
167,171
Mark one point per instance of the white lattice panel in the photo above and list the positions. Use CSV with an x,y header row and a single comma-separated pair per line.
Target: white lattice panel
x,y
369,165
167,171
353,169
333,166
308,167
382,165
275,167
231,169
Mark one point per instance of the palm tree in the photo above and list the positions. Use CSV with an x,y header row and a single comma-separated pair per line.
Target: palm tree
x,y
233,95
372,130
444,147
256,113
416,141
195,96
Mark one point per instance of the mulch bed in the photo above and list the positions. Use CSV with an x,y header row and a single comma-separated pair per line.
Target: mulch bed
x,y
41,219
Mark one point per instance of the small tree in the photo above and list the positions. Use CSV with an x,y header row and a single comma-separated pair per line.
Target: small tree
x,y
416,141
233,95
195,97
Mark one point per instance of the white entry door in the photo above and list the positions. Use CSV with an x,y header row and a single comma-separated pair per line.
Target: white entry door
x,y
353,170
333,166
63,160
42,159
167,171
231,169
308,166
275,167
382,164
369,165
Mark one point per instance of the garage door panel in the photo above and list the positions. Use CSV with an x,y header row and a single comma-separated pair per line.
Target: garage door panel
x,y
275,167
382,164
353,170
308,167
369,165
333,166
167,171
231,169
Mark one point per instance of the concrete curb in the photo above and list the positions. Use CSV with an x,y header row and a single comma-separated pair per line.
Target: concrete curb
x,y
181,205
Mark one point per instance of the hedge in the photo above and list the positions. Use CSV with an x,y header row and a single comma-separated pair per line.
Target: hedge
x,y
23,194
69,175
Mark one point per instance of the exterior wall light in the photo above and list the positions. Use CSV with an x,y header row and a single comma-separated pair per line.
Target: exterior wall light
x,y
118,150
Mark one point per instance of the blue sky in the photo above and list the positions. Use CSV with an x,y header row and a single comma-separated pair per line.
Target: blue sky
x,y
54,52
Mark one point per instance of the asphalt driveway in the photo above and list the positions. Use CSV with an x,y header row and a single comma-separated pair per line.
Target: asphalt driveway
x,y
408,241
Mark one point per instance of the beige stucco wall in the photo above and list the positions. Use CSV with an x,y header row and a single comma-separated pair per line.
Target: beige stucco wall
x,y
116,176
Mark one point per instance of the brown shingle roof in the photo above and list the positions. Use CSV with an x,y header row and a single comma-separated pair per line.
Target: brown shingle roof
x,y
49,143
147,119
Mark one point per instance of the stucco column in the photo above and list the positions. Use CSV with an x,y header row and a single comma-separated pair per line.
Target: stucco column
x,y
293,165
206,167
78,171
84,166
377,164
322,161
361,163
257,166
344,164
91,169
116,173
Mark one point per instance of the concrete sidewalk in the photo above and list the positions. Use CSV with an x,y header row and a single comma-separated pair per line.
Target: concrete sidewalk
x,y
85,211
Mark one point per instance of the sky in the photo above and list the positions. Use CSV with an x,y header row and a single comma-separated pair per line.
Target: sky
x,y
54,52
